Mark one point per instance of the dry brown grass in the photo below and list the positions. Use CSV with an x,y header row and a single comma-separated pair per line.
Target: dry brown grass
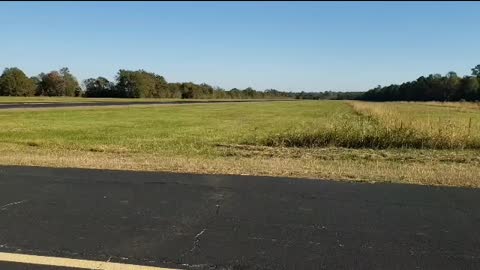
x,y
454,131
382,126
440,168
461,106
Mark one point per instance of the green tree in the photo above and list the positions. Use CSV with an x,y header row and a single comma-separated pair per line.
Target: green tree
x,y
476,71
141,84
174,90
36,81
452,85
52,84
14,82
434,87
72,87
161,87
235,93
219,93
100,87
188,90
471,88
58,83
248,93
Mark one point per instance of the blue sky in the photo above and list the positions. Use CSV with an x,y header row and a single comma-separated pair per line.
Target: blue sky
x,y
295,46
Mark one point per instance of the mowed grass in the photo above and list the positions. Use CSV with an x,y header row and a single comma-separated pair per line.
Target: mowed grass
x,y
179,130
254,139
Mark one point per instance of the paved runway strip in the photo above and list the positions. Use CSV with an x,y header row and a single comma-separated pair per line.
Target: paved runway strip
x,y
186,221
86,105
71,263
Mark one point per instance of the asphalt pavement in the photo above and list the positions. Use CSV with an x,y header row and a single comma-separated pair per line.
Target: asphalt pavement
x,y
43,105
186,221
17,266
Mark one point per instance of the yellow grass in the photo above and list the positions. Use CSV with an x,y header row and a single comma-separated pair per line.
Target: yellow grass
x,y
440,168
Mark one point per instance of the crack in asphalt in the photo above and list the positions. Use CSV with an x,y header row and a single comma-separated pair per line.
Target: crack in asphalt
x,y
196,240
4,207
197,237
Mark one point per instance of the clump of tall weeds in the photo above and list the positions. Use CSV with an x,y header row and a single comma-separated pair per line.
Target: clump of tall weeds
x,y
375,126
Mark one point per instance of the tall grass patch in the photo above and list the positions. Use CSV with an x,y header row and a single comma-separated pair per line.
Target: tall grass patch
x,y
381,126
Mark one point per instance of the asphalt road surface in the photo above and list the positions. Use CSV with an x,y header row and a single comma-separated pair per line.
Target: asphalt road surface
x,y
40,105
234,222
18,266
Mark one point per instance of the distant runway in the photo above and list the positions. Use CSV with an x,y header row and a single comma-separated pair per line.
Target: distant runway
x,y
185,221
59,105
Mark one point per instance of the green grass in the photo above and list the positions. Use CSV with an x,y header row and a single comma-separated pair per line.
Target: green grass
x,y
178,130
315,139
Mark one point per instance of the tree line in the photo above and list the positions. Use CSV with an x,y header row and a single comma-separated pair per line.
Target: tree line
x,y
434,87
143,84
329,95
137,84
14,82
127,84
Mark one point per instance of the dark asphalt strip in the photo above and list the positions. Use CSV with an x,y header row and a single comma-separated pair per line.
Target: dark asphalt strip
x,y
236,222
5,106
17,266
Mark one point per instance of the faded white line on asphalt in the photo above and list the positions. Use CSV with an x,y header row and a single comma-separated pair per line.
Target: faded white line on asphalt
x,y
74,263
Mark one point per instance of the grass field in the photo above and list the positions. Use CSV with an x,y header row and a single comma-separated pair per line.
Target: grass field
x,y
421,143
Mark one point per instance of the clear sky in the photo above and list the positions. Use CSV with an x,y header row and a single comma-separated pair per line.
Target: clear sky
x,y
295,46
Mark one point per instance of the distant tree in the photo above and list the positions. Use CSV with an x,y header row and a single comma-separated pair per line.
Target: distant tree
x,y
452,85
476,71
434,87
471,87
36,81
72,87
14,82
39,81
99,87
235,93
249,92
141,84
58,83
174,90
219,93
125,84
161,88
188,90
52,84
